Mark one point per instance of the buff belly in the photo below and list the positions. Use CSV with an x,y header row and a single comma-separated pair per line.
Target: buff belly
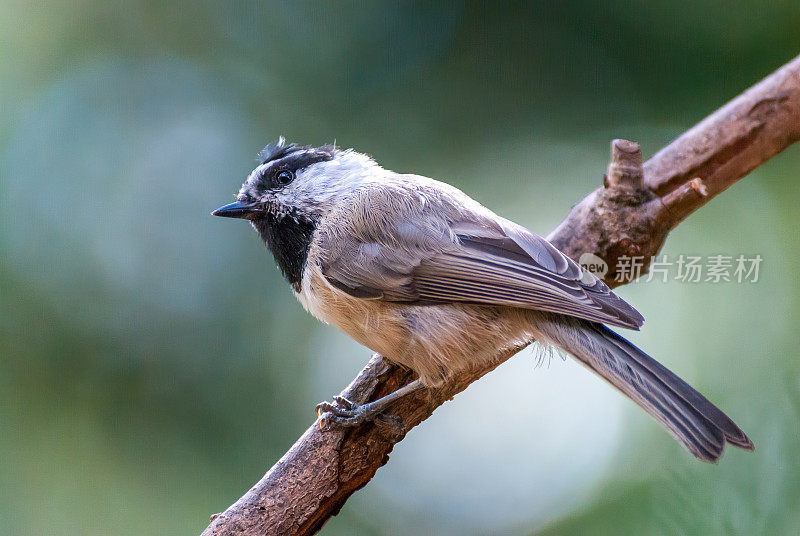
x,y
435,341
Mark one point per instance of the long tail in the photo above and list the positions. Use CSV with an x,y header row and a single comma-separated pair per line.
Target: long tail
x,y
686,414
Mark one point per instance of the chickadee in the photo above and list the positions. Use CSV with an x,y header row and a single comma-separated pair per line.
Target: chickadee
x,y
429,278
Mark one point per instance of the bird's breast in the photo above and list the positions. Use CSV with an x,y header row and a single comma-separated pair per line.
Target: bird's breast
x,y
433,340
375,324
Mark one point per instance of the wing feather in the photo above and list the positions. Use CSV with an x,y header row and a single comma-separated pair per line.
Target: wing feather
x,y
477,257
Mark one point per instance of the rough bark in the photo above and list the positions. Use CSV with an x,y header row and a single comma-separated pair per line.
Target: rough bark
x,y
630,215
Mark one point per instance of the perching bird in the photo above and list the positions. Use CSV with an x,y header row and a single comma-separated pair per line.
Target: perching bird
x,y
419,272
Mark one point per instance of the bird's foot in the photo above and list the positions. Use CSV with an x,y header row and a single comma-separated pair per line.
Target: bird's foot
x,y
339,406
346,413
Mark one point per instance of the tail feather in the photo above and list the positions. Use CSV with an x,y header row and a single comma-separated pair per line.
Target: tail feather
x,y
686,414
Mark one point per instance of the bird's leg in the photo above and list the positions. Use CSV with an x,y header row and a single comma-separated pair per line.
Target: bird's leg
x,y
348,413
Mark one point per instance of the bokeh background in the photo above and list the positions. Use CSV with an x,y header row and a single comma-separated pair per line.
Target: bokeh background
x,y
154,364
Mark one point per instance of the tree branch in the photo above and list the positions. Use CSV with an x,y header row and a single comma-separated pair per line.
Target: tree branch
x,y
630,215
633,212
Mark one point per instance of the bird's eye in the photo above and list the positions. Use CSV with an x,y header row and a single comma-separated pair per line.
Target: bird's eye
x,y
284,177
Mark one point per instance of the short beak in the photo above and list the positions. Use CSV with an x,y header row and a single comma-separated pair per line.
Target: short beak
x,y
238,209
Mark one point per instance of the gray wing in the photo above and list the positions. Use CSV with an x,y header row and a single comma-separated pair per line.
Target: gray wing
x,y
434,252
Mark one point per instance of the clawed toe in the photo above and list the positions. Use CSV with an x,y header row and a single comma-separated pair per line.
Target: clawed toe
x,y
325,407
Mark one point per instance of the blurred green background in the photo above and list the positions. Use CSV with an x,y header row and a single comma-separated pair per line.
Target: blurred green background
x,y
154,364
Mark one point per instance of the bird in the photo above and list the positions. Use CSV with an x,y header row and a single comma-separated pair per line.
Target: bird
x,y
432,280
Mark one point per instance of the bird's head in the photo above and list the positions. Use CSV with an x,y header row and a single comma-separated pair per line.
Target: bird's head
x,y
300,182
293,188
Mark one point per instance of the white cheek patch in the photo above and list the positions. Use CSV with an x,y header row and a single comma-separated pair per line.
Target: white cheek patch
x,y
333,179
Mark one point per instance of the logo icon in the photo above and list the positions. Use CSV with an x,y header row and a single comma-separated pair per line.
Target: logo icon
x,y
594,265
